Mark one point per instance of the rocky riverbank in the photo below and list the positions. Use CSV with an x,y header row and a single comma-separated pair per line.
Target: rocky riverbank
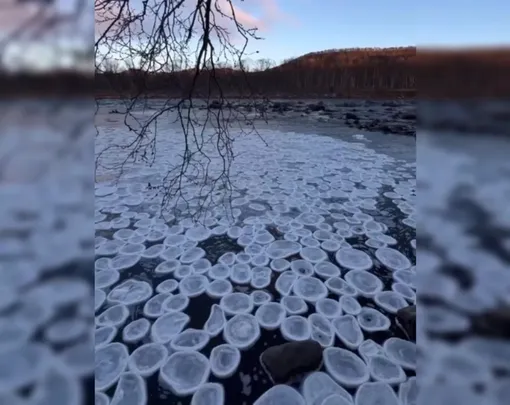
x,y
391,117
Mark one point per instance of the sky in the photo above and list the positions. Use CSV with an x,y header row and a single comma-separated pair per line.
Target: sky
x,y
311,25
291,28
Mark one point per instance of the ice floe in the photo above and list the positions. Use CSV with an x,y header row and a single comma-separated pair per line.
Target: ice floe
x,y
240,273
100,398
302,268
153,251
192,255
111,361
350,305
282,395
260,277
132,249
136,330
260,297
201,266
296,328
318,386
294,305
167,286
369,349
270,315
216,321
242,331
322,331
348,331
193,285
219,288
329,308
167,326
104,335
113,316
130,292
131,389
224,360
365,283
408,392
147,359
405,291
190,339
185,372
282,249
345,367
106,278
209,394
219,271
392,259
375,393
401,352
390,301
313,254
175,303
371,320
338,286
237,303
124,261
310,289
353,259
153,308
198,233
168,266
382,369
227,259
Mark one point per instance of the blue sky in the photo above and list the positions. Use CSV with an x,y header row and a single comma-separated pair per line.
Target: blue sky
x,y
324,24
294,27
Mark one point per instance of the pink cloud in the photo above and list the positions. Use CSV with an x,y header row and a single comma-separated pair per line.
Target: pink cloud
x,y
268,13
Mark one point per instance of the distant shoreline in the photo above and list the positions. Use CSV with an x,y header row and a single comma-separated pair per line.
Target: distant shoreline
x,y
380,96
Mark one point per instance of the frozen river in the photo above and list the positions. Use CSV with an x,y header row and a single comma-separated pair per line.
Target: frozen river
x,y
310,236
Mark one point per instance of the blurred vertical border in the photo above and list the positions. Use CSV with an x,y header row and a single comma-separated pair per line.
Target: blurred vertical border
x,y
47,202
463,237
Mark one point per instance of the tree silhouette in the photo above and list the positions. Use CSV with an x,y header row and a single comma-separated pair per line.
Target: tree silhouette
x,y
164,36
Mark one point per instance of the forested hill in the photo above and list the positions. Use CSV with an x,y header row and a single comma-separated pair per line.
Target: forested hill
x,y
368,73
336,58
372,73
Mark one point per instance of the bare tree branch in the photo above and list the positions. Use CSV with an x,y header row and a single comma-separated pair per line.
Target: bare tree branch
x,y
201,37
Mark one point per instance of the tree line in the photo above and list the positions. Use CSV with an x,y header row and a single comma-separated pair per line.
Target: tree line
x,y
367,73
333,73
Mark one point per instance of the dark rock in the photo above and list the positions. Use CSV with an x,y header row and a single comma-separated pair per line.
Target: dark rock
x,y
261,107
316,107
390,104
351,116
285,362
493,324
281,107
406,320
215,105
408,116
